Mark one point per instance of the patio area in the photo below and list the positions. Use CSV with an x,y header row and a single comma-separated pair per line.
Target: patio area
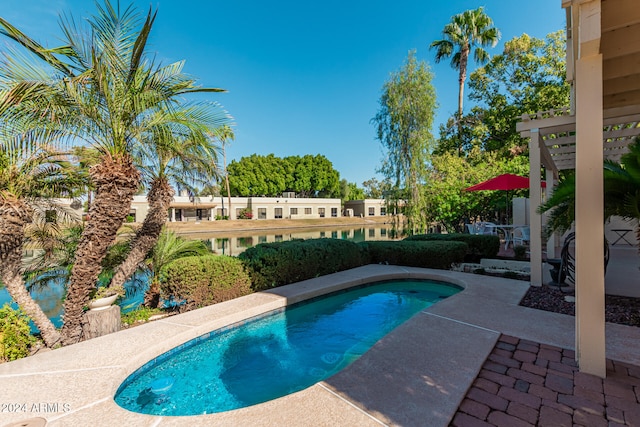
x,y
424,373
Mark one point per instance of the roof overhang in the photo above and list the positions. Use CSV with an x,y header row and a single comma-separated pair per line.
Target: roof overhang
x,y
618,40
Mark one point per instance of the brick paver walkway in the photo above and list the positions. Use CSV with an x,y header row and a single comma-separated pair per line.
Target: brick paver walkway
x,y
524,383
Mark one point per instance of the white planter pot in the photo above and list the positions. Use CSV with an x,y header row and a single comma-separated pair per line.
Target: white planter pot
x,y
102,303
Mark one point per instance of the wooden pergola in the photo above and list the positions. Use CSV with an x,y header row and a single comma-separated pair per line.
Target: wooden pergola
x,y
603,67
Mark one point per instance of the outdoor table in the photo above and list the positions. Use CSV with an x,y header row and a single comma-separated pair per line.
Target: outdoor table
x,y
621,232
508,232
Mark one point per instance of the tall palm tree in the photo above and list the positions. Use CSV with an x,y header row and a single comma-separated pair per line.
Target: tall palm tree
x,y
471,30
226,135
103,79
187,160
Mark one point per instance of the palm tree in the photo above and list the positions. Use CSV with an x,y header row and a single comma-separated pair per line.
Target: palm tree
x,y
226,135
168,248
191,159
621,193
29,179
467,31
103,80
622,186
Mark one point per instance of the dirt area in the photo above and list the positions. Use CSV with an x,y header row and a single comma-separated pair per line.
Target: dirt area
x,y
225,226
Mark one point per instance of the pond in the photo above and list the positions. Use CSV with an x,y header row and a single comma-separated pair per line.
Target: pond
x,y
50,297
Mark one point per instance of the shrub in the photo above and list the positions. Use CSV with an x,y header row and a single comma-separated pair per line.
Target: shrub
x,y
141,314
520,252
245,214
15,334
428,254
204,280
275,264
480,246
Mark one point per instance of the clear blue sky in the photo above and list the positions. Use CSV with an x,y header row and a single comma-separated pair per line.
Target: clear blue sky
x,y
303,77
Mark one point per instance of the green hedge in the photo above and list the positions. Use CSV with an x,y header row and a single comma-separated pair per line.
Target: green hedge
x,y
204,280
275,264
416,253
480,246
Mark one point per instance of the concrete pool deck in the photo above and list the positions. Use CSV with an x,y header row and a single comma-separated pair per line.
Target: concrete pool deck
x,y
417,375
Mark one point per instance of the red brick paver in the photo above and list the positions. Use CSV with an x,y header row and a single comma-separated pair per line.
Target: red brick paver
x,y
524,383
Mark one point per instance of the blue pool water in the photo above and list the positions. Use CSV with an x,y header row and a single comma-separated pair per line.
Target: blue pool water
x,y
276,354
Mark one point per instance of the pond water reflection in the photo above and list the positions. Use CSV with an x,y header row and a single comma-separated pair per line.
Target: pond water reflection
x,y
237,242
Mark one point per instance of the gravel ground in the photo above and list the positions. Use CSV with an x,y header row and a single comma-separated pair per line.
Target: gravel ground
x,y
622,310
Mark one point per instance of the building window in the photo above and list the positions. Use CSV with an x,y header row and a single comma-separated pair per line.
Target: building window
x,y
239,212
178,214
383,232
277,213
372,211
199,214
293,211
262,213
334,212
321,212
372,232
383,211
307,211
278,237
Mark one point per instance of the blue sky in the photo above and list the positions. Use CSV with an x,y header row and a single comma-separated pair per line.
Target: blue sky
x,y
303,77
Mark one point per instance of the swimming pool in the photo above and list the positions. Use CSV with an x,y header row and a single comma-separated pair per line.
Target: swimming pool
x,y
276,354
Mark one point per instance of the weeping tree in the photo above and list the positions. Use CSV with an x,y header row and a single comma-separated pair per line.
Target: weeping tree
x,y
403,127
103,78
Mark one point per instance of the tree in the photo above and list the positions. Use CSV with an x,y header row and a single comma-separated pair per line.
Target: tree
x,y
621,193
403,126
168,248
350,191
166,158
309,176
527,77
448,203
374,189
103,80
469,31
30,177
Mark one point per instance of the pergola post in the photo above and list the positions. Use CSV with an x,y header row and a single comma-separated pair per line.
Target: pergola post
x,y
535,219
589,208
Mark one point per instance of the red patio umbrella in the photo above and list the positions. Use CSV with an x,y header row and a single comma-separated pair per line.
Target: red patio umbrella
x,y
506,182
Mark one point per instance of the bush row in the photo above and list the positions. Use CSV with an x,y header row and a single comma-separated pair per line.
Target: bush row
x,y
205,280
276,264
416,253
480,246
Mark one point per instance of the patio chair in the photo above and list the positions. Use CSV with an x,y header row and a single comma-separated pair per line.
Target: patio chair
x,y
520,236
489,228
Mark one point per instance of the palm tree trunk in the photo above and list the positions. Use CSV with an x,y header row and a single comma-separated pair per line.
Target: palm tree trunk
x,y
159,197
464,58
14,215
116,181
226,177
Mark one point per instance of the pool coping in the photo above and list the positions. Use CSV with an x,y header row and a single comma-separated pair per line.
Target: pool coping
x,y
75,385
